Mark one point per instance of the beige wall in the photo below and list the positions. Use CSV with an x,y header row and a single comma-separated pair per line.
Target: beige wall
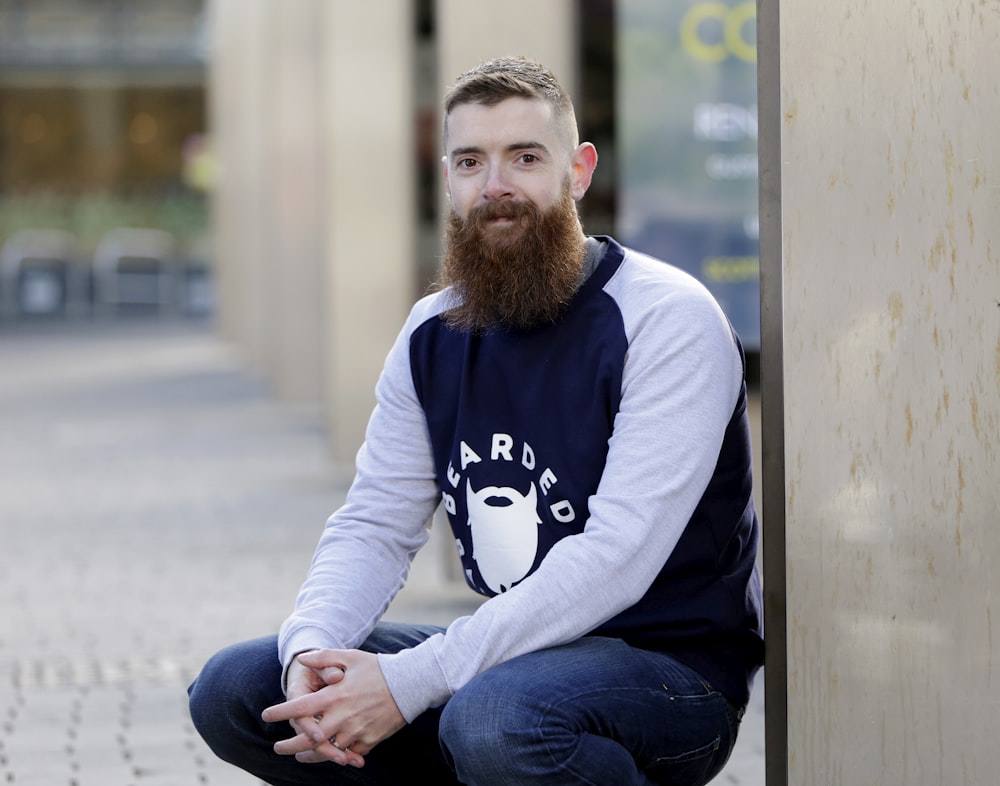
x,y
369,113
266,88
237,106
470,31
297,203
890,246
312,116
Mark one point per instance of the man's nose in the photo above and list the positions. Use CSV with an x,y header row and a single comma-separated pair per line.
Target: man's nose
x,y
497,186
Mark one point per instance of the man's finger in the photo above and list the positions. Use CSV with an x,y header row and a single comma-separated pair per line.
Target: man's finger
x,y
331,675
322,659
302,707
306,750
329,752
293,746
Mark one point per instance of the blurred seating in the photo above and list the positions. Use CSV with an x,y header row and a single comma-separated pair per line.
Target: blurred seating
x,y
41,274
136,270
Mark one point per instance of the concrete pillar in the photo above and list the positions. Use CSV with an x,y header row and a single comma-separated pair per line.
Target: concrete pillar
x,y
238,101
268,205
470,32
294,151
312,117
369,230
880,256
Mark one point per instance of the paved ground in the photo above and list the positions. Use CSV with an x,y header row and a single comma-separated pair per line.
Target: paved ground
x,y
156,503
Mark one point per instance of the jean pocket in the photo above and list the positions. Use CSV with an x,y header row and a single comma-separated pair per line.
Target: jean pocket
x,y
691,768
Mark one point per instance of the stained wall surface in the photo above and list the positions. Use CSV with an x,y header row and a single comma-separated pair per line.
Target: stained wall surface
x,y
890,214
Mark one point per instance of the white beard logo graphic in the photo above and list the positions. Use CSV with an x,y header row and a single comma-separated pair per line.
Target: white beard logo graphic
x,y
504,536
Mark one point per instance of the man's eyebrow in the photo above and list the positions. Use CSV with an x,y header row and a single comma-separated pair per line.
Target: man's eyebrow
x,y
512,148
527,146
465,151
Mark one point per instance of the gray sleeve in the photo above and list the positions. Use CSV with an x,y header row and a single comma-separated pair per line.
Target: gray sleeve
x,y
365,550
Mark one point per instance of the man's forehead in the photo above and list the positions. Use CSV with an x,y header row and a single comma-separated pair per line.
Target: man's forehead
x,y
507,122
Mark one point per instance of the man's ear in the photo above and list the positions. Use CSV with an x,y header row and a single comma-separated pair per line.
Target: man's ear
x,y
584,163
444,173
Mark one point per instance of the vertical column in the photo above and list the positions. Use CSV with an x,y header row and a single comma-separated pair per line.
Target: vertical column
x,y
238,97
312,122
771,480
294,151
469,33
368,123
890,258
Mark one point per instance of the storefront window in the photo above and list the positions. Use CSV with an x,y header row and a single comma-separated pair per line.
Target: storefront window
x,y
102,127
687,141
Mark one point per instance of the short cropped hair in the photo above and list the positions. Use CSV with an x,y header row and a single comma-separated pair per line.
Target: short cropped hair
x,y
494,81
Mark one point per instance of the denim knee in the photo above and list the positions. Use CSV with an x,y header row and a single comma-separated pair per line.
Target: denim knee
x,y
233,688
485,732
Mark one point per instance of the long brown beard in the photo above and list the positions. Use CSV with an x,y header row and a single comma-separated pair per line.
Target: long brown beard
x,y
518,276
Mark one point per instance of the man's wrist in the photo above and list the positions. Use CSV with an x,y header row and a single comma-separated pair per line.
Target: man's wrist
x,y
294,660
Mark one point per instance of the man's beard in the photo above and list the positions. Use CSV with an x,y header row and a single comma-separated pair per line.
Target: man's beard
x,y
516,276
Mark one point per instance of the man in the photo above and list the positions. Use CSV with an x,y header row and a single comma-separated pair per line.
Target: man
x,y
579,410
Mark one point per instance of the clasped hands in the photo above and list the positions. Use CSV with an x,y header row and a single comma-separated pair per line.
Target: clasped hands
x,y
338,704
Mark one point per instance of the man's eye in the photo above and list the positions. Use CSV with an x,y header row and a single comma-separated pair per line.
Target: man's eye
x,y
467,163
528,158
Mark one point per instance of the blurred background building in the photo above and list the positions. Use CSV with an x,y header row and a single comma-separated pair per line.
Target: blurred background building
x,y
102,128
275,166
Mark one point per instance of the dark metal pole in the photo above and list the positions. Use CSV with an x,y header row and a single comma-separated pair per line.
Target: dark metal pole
x,y
772,392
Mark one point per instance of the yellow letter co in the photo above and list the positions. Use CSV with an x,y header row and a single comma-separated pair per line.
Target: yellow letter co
x,y
731,22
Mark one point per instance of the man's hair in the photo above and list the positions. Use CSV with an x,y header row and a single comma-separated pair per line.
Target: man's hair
x,y
494,81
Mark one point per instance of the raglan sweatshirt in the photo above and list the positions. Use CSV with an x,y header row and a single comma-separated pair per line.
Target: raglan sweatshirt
x,y
596,474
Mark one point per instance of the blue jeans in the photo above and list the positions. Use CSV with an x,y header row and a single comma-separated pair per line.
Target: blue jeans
x,y
595,711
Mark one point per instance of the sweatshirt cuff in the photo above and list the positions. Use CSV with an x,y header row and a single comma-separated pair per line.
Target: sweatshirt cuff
x,y
415,679
300,641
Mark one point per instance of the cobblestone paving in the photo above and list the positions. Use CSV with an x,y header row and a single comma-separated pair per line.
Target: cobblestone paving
x,y
156,503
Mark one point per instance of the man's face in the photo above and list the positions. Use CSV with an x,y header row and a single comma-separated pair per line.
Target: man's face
x,y
511,151
514,244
